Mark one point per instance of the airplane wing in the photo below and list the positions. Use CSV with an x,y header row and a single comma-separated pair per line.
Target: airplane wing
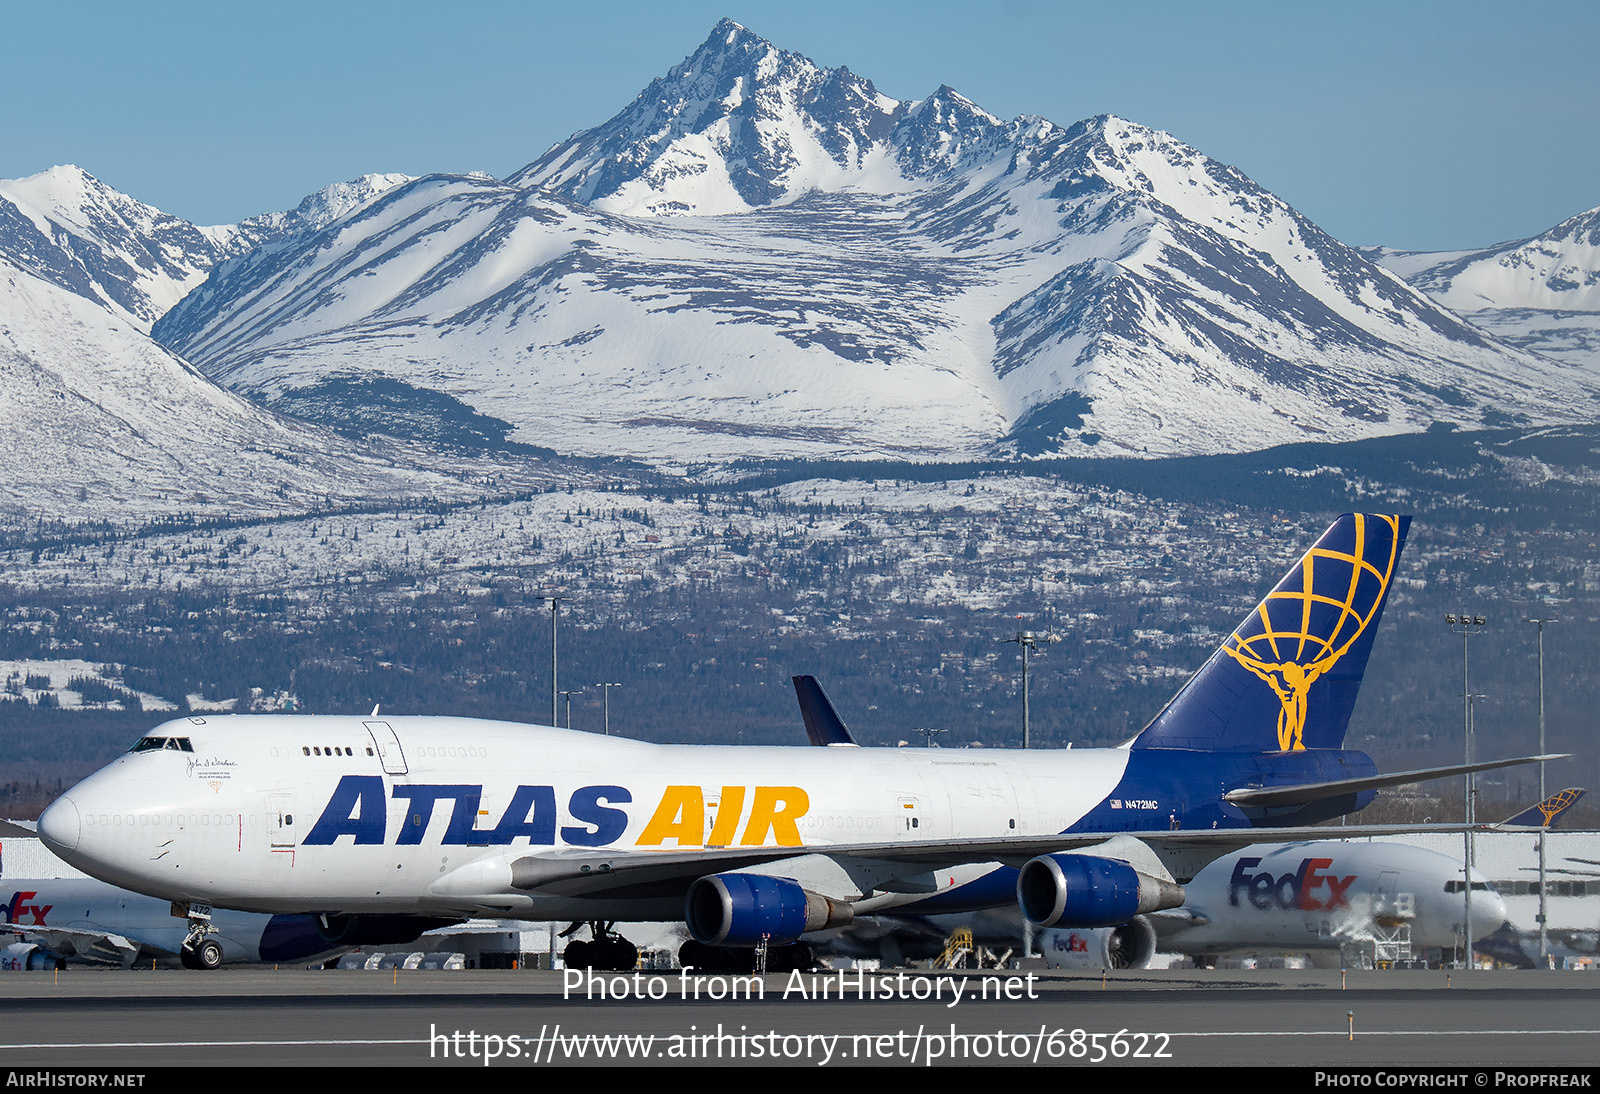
x,y
661,873
87,944
1301,793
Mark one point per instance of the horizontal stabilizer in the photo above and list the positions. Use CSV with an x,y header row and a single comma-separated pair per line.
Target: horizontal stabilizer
x,y
1309,792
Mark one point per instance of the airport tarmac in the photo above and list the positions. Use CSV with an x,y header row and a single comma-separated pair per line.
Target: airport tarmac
x,y
1472,1020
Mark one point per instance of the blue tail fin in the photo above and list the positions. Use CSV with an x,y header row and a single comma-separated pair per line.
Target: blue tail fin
x,y
1286,679
1547,812
823,724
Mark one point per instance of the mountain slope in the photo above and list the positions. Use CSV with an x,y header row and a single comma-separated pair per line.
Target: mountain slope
x,y
762,257
107,425
1542,294
104,424
69,228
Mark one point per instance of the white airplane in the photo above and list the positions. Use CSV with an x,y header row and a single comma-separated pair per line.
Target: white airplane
x,y
753,846
1315,898
54,920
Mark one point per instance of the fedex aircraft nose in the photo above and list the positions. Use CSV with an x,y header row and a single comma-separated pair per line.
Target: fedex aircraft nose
x,y
1492,909
59,827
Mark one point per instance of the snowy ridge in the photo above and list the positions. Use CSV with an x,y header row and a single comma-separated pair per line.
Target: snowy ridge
x,y
737,125
105,424
320,209
115,427
69,228
1542,293
761,257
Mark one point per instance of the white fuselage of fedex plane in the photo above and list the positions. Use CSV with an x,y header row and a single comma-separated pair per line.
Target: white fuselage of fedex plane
x,y
429,815
81,918
1322,895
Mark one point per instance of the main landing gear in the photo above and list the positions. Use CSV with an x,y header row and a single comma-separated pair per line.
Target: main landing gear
x,y
742,959
607,952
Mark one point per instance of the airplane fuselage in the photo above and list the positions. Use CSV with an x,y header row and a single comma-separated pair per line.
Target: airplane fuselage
x,y
426,815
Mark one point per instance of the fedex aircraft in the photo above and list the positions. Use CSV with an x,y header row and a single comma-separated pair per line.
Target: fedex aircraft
x,y
67,919
753,846
1315,898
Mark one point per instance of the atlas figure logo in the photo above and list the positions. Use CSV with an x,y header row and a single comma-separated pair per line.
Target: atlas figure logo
x,y
1299,889
1309,622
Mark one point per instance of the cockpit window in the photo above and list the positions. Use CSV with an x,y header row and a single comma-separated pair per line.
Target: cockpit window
x,y
159,744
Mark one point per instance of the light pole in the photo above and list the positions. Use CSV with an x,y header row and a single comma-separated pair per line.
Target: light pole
x,y
568,696
608,688
1466,626
1028,642
555,688
1544,937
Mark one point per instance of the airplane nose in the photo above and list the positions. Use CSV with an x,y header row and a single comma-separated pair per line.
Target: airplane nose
x,y
1494,912
59,827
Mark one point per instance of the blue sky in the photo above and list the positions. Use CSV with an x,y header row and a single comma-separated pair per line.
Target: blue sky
x,y
1422,125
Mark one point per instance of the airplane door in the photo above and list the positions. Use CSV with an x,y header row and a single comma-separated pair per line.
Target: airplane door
x,y
281,828
982,798
388,745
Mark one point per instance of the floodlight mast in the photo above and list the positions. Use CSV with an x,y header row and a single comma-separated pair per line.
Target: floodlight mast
x,y
1467,626
1544,935
555,688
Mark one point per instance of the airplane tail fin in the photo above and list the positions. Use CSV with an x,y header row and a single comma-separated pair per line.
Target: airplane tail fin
x,y
823,724
1547,812
1286,678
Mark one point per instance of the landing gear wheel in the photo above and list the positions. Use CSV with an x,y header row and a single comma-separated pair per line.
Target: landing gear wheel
x,y
608,952
206,954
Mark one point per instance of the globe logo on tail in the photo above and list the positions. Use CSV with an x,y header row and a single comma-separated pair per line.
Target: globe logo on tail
x,y
1553,806
1310,621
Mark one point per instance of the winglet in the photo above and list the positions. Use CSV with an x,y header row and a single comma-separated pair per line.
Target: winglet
x,y
823,724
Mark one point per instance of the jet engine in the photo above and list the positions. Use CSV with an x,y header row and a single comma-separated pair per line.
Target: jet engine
x,y
28,957
1130,945
1089,891
741,909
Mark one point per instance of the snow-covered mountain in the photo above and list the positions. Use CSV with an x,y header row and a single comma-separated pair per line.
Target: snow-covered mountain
x,y
1541,294
760,257
102,423
69,228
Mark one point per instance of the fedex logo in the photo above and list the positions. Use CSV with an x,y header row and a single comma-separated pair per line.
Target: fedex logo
x,y
16,909
359,809
1301,889
1070,943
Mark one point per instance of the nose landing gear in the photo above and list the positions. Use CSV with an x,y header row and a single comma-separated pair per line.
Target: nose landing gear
x,y
201,949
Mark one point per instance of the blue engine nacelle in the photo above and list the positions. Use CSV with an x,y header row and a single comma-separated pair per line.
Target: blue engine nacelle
x,y
1089,891
742,909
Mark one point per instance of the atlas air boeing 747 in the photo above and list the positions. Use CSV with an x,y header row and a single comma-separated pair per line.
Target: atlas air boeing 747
x,y
753,846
